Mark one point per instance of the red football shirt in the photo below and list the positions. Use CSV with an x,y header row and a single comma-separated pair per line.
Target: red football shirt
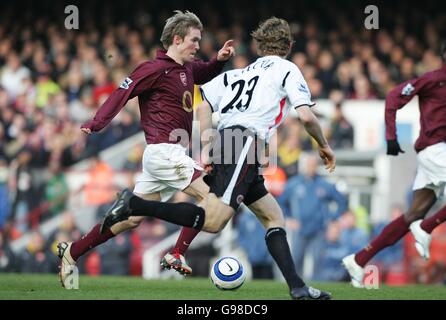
x,y
165,95
431,90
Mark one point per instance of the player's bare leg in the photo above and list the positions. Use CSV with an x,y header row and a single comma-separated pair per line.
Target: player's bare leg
x,y
268,211
270,215
423,200
217,214
421,229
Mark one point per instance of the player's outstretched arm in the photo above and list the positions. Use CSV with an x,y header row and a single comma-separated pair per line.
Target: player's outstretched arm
x,y
313,127
138,81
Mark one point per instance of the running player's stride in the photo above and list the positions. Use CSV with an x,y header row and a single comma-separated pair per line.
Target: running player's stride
x,y
252,102
164,88
430,180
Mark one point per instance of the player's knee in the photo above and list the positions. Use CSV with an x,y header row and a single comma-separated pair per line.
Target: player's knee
x,y
273,220
216,227
279,223
212,229
413,215
215,223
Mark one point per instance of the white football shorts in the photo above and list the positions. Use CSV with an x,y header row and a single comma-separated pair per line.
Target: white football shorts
x,y
166,168
431,171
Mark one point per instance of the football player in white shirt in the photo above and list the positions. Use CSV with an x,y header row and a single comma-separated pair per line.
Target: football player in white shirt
x,y
251,102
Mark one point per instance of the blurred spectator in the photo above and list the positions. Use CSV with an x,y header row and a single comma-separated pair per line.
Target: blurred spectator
x,y
326,71
306,203
115,255
56,190
13,75
8,260
103,86
333,252
341,131
5,204
407,69
289,148
343,79
98,190
342,237
362,89
36,258
46,87
133,161
352,237
22,187
251,237
67,229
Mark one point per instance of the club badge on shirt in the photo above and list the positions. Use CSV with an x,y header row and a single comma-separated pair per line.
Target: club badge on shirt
x,y
183,78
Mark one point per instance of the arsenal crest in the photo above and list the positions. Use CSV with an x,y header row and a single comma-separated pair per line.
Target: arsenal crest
x,y
183,78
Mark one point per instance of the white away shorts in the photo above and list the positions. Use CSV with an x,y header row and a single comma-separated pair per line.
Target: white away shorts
x,y
431,171
166,168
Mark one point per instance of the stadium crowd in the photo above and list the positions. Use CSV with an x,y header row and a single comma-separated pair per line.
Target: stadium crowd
x,y
53,79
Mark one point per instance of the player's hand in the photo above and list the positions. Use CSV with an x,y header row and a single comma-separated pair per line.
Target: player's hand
x,y
327,155
206,164
393,148
86,130
227,51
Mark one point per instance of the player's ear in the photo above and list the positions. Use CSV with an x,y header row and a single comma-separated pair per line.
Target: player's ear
x,y
177,40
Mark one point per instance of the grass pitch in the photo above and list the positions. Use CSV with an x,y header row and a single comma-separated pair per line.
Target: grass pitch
x,y
38,286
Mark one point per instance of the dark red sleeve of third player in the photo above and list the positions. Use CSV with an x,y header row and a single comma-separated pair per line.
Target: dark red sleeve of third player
x,y
398,98
141,79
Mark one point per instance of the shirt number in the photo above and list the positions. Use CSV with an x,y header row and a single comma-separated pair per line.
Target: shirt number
x,y
237,101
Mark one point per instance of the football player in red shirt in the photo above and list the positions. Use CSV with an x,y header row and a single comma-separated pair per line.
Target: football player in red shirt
x,y
430,181
164,88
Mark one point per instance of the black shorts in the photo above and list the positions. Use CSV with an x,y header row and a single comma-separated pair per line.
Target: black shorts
x,y
235,175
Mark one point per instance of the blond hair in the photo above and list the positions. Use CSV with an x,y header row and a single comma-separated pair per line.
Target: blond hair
x,y
273,37
179,24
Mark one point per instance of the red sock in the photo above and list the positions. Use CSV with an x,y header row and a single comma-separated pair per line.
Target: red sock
x,y
184,240
89,241
431,223
394,231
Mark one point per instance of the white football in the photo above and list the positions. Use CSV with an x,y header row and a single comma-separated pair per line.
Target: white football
x,y
227,273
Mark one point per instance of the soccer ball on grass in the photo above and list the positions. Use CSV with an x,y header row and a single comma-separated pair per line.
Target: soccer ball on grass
x,y
227,273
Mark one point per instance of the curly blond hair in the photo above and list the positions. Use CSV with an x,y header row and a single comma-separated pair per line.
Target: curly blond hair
x,y
179,25
273,37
